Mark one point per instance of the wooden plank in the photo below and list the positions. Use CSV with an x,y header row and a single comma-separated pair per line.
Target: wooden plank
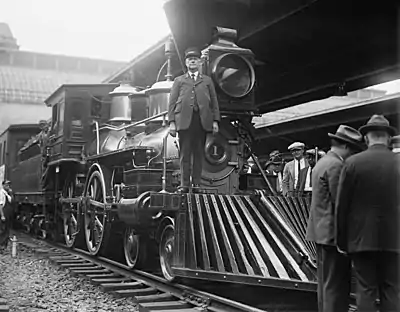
x,y
84,272
278,217
4,308
273,257
203,239
92,267
71,261
155,298
217,250
97,281
120,286
225,237
135,292
281,246
192,251
238,242
260,261
104,275
77,265
166,305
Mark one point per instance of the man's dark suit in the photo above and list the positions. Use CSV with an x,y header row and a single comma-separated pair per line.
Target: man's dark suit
x,y
367,215
333,268
193,106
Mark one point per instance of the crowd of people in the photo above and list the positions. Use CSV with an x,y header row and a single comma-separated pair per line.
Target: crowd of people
x,y
354,213
354,218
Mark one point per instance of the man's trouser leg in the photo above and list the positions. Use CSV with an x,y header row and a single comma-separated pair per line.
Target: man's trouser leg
x,y
185,154
377,277
334,278
198,140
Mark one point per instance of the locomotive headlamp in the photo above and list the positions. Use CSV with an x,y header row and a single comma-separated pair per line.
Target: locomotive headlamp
x,y
233,74
232,70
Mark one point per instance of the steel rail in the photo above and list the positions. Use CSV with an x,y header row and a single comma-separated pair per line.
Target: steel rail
x,y
201,299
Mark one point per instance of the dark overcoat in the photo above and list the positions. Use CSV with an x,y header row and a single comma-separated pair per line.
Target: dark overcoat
x,y
325,179
184,92
368,207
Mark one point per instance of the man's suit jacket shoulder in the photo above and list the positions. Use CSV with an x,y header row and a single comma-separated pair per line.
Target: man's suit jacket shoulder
x,y
368,205
325,179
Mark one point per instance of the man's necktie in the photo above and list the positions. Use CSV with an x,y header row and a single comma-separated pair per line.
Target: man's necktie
x,y
193,77
310,177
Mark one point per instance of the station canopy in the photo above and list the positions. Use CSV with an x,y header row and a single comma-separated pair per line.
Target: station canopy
x,y
305,49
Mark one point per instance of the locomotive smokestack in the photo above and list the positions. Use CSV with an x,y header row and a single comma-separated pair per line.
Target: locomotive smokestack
x,y
158,94
120,110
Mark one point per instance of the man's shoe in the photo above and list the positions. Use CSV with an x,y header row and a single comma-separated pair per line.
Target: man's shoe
x,y
183,190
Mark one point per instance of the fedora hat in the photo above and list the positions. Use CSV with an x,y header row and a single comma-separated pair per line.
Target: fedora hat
x,y
192,52
276,160
273,154
348,135
378,122
312,152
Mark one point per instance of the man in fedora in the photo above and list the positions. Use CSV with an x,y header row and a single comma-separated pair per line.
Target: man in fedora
x,y
333,268
305,184
290,181
367,217
193,111
396,144
274,168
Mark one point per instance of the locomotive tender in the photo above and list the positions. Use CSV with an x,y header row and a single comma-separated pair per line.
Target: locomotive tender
x,y
107,170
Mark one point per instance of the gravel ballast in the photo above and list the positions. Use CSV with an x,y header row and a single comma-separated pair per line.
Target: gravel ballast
x,y
32,283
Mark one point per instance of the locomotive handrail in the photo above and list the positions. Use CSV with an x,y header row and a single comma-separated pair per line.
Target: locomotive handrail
x,y
255,158
135,123
164,176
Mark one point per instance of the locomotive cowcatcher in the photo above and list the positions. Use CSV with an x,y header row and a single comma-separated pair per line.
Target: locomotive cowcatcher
x,y
106,173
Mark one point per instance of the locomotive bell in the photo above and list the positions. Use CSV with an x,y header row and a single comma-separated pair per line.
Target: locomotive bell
x,y
120,110
158,98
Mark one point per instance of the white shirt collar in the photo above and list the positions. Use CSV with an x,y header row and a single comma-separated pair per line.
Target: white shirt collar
x,y
196,74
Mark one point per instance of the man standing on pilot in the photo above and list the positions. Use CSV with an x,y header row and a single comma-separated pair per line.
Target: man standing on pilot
x,y
193,111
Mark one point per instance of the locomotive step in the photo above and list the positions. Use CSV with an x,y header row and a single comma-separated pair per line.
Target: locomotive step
x,y
163,305
135,292
121,286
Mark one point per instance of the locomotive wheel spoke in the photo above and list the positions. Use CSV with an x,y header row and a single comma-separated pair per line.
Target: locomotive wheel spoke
x,y
70,215
95,218
166,251
134,249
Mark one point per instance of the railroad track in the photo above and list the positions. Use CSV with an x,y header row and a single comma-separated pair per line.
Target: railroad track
x,y
151,292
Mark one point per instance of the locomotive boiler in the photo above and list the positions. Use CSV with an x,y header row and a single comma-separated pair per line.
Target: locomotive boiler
x,y
110,169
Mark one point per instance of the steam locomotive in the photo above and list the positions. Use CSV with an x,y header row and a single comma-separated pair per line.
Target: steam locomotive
x,y
104,171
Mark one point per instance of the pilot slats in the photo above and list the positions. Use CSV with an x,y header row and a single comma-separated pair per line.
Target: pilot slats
x,y
237,235
293,213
